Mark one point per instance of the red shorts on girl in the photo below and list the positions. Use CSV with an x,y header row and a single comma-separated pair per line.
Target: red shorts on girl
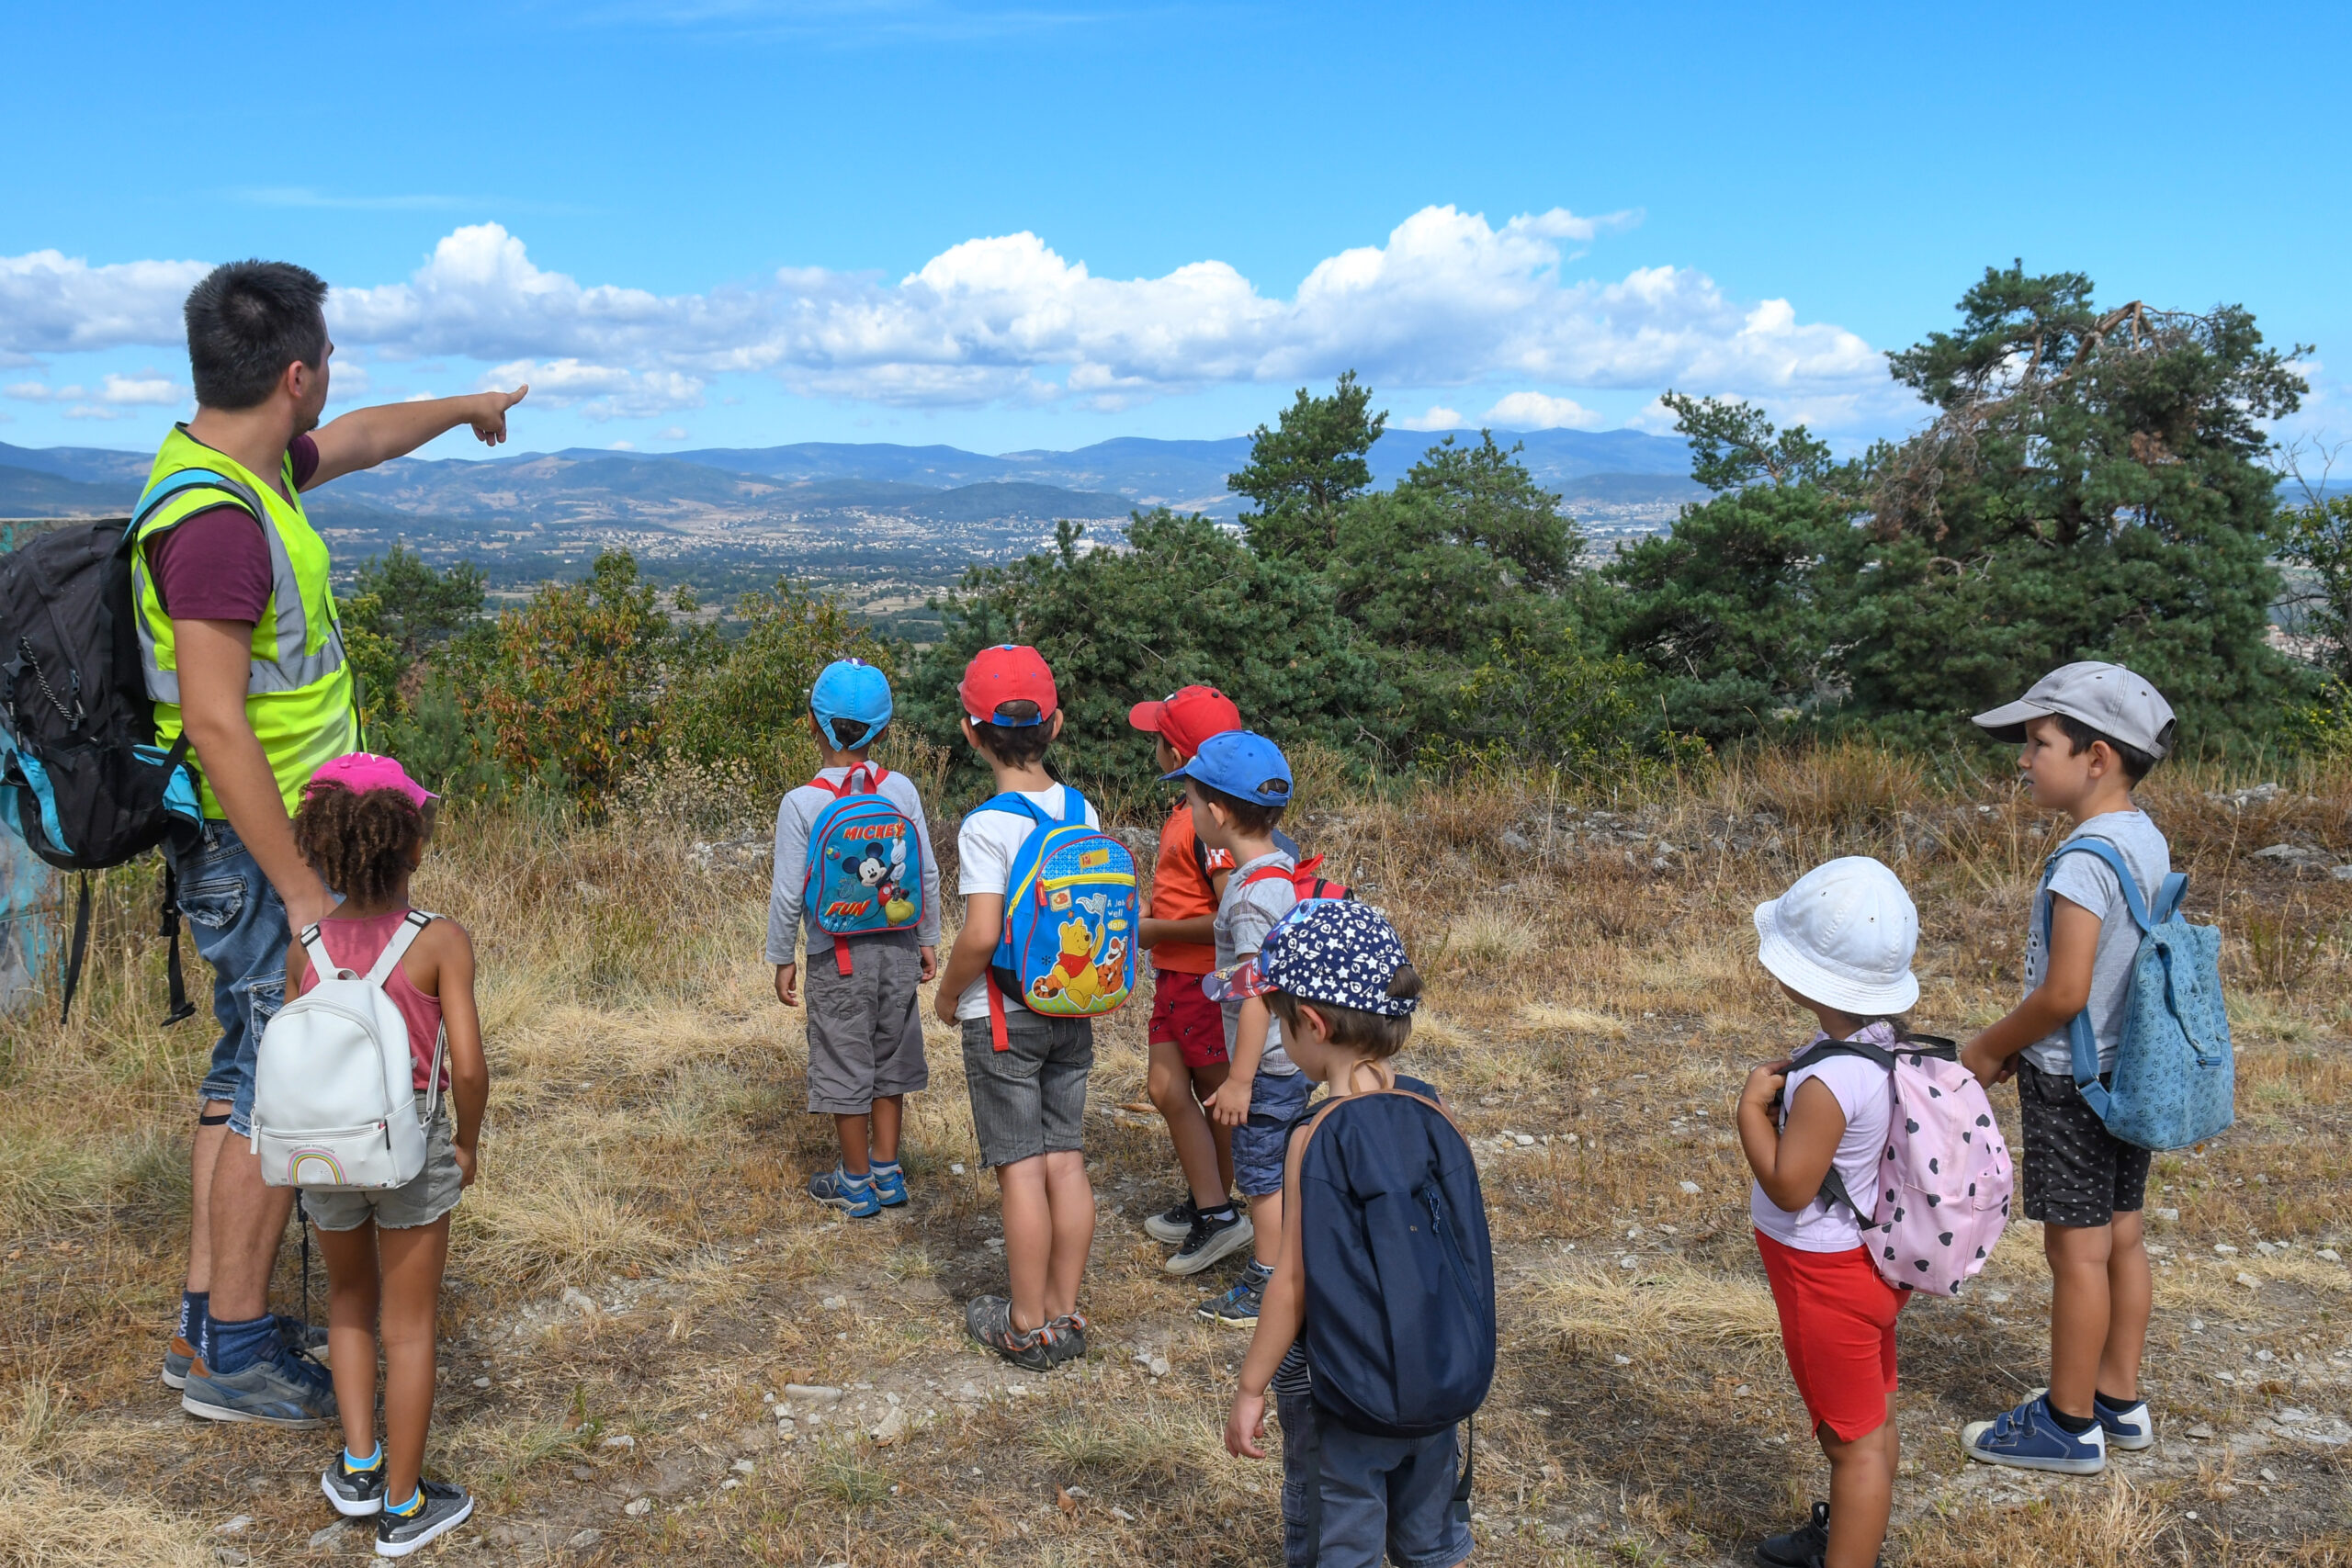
x,y
1838,1325
1182,1016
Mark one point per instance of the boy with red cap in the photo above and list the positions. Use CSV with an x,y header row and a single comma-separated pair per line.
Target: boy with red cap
x,y
1187,1035
1028,1098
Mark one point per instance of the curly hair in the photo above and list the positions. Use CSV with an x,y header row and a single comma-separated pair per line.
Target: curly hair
x,y
360,844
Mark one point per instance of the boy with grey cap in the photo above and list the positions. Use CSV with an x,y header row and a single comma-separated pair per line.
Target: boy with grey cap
x,y
2088,733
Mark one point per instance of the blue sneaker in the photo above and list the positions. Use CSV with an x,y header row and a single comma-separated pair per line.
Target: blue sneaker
x,y
2126,1426
1238,1308
2030,1437
889,1186
279,1390
853,1195
179,1358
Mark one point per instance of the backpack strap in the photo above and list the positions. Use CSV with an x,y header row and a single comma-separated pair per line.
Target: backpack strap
x,y
2082,1041
874,772
396,949
323,963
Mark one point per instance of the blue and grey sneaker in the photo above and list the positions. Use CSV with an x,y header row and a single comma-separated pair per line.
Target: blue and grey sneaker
x,y
303,1338
2126,1426
356,1494
2030,1437
1238,1308
853,1195
889,1184
440,1508
179,1358
281,1390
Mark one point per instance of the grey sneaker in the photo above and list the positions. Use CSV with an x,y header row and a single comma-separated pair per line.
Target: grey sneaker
x,y
446,1507
179,1357
1171,1224
1208,1241
1069,1338
989,1319
282,1390
356,1494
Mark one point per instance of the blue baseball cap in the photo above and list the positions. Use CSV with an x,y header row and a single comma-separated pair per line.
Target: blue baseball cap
x,y
1242,762
853,690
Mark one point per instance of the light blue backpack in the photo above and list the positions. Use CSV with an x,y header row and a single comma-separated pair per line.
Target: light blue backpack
x,y
2174,1082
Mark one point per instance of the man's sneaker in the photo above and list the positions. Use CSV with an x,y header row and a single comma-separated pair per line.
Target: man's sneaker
x,y
446,1507
890,1186
356,1494
2130,1426
853,1195
989,1319
2030,1437
1238,1308
1800,1548
179,1356
303,1338
1069,1338
1173,1224
1210,1240
282,1390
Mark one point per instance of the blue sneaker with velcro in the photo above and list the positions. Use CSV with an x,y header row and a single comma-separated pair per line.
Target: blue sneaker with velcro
x,y
889,1185
853,1195
2030,1437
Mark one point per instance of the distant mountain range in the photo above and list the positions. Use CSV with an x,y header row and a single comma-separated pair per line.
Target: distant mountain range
x,y
827,507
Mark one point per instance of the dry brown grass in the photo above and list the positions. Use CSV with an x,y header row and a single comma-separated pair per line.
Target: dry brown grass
x,y
647,1144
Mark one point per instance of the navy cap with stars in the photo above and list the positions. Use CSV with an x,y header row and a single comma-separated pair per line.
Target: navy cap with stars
x,y
1334,951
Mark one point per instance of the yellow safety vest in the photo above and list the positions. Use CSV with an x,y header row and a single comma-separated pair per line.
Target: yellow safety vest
x,y
299,696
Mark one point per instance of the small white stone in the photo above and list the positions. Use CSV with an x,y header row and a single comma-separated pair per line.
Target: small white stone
x,y
2224,1249
234,1525
836,1304
2329,1255
743,1466
481,1382
728,1485
622,1441
1623,1360
1742,1392
1524,1140
638,1507
2270,1475
1629,1261
1689,1188
1159,1366
957,1169
2247,1280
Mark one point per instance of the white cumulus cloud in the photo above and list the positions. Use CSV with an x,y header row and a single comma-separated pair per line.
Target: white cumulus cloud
x,y
1534,411
146,388
599,392
1437,416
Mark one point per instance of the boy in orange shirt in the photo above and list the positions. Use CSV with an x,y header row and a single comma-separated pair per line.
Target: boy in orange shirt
x,y
1187,1034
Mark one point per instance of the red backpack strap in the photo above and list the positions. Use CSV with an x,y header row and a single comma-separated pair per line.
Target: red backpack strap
x,y
874,777
1267,874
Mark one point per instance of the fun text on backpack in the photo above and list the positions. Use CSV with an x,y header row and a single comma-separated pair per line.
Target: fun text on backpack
x,y
2175,1080
865,864
1068,949
1944,1181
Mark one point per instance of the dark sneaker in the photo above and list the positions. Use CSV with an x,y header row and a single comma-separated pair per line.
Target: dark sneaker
x,y
1069,1338
1800,1548
179,1356
279,1391
2030,1437
303,1338
1210,1240
853,1195
989,1319
446,1507
1173,1224
356,1494
890,1188
1238,1308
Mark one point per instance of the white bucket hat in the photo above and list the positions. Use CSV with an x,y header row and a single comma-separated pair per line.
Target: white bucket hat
x,y
1843,937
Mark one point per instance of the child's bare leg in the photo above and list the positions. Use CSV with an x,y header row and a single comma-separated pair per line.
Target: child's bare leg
x,y
413,1261
1206,1081
2080,1312
2131,1291
1861,1491
889,1116
1266,1220
352,1297
852,1132
1171,1087
1028,1239
1072,1199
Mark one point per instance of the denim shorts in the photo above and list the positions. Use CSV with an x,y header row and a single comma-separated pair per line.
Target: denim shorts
x,y
239,925
1389,1497
1029,1098
430,1194
1260,1143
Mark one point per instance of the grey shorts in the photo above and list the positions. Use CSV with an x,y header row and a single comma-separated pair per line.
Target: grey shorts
x,y
432,1193
864,1030
1263,1142
2075,1171
1030,1098
1383,1497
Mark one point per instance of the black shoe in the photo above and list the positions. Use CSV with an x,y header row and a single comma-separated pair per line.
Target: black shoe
x,y
1173,1224
1800,1548
1210,1240
356,1494
446,1507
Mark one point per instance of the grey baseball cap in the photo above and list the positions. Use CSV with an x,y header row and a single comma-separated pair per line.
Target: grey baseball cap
x,y
2108,698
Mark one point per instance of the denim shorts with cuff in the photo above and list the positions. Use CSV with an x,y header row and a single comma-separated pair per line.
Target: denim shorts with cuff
x,y
1029,1098
239,925
1262,1143
1383,1497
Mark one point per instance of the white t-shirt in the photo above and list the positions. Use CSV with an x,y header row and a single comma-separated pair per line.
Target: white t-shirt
x,y
2084,879
985,847
1868,1102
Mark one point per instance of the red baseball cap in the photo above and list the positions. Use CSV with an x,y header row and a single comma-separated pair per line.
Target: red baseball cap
x,y
1187,716
1010,672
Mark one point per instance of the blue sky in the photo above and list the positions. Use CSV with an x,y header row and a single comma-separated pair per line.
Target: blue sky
x,y
737,222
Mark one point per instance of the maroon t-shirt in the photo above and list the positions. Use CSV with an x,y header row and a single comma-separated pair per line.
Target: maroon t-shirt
x,y
213,565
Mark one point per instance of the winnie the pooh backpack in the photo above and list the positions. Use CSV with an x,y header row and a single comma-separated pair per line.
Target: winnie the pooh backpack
x,y
1068,949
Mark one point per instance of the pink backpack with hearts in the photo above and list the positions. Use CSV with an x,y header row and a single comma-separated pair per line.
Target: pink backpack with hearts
x,y
1944,1184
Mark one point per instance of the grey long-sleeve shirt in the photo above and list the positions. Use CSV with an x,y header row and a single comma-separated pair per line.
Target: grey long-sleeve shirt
x,y
794,818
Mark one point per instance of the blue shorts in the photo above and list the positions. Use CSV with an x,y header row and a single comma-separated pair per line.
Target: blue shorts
x,y
1388,1498
1260,1143
239,925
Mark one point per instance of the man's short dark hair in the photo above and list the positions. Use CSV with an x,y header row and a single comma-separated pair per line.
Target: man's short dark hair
x,y
2079,736
246,322
1016,745
1247,816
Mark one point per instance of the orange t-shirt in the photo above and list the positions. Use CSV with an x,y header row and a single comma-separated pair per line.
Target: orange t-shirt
x,y
1181,890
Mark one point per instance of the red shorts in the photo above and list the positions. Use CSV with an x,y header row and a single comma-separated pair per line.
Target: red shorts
x,y
1838,1325
1182,1016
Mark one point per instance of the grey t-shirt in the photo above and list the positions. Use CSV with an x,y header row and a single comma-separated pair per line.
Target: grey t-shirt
x,y
1244,916
2085,880
795,816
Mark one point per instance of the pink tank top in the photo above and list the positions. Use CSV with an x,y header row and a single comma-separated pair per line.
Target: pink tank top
x,y
355,945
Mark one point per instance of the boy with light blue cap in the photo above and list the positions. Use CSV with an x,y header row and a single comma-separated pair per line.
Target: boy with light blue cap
x,y
845,842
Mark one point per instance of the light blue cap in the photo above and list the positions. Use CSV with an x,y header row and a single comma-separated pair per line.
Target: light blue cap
x,y
853,690
1243,763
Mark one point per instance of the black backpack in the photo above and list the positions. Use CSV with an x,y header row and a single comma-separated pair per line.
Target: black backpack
x,y
81,779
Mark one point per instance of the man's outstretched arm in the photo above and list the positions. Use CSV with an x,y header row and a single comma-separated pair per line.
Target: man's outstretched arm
x,y
365,438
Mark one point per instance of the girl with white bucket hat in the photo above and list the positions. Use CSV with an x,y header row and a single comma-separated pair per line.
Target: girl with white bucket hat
x,y
1840,943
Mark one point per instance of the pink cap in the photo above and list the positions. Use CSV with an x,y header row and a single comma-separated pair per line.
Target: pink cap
x,y
360,771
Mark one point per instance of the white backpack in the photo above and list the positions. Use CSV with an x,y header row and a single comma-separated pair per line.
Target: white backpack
x,y
335,1102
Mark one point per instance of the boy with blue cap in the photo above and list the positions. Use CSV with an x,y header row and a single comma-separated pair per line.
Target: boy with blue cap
x,y
1238,786
864,1034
